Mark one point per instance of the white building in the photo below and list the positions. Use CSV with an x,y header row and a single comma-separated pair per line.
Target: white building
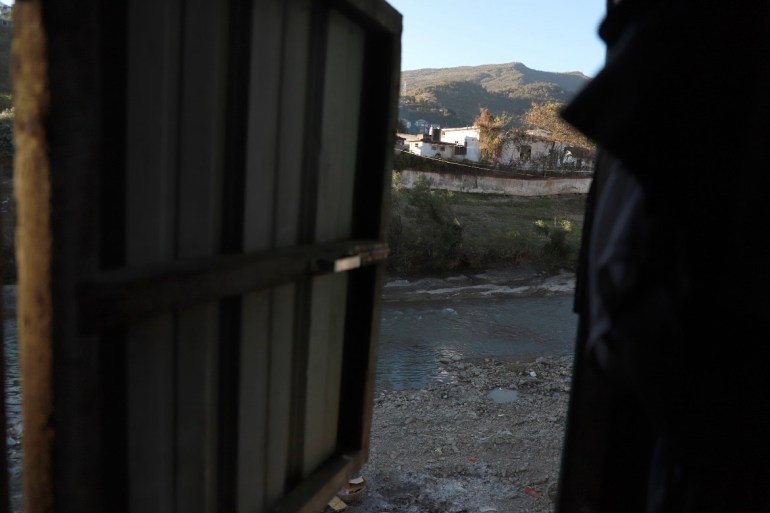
x,y
532,151
425,146
467,137
535,153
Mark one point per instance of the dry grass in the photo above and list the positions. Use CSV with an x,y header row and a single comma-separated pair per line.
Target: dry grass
x,y
499,231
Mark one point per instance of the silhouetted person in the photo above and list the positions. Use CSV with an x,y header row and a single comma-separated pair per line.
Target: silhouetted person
x,y
670,409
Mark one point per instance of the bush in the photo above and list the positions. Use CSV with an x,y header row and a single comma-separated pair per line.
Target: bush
x,y
425,235
433,231
503,247
556,253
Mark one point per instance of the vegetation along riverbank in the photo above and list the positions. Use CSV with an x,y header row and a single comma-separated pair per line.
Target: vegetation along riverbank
x,y
435,231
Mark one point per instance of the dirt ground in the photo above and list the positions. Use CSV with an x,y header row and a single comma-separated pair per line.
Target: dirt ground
x,y
451,447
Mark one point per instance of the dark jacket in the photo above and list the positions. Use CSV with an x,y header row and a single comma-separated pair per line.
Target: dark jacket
x,y
670,409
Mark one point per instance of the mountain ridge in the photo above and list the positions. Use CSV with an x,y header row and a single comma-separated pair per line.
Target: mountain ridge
x,y
453,96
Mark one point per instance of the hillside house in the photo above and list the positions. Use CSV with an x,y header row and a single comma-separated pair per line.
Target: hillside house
x,y
467,137
431,145
533,151
537,153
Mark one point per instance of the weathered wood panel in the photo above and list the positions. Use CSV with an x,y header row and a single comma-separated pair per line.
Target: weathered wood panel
x,y
327,335
279,408
291,124
210,162
339,129
201,132
334,204
152,51
254,443
33,234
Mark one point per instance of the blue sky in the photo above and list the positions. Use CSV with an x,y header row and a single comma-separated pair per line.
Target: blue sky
x,y
547,35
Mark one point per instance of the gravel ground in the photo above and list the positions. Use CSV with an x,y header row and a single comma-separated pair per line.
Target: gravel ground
x,y
452,447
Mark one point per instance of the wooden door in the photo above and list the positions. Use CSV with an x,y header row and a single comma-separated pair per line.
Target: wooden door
x,y
204,188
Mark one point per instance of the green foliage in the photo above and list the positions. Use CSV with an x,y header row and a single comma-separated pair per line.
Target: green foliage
x,y
497,230
425,235
557,251
500,246
492,77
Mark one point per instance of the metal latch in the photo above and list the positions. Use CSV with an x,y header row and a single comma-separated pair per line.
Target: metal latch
x,y
338,265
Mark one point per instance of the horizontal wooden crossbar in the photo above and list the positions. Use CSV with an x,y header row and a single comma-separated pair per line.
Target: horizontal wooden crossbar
x,y
317,489
123,295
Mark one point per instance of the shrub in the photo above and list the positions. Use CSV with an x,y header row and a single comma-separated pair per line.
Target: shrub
x,y
424,235
556,252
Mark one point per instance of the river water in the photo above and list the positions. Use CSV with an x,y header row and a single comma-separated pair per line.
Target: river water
x,y
415,337
13,432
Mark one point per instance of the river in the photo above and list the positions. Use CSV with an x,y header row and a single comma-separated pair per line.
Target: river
x,y
416,336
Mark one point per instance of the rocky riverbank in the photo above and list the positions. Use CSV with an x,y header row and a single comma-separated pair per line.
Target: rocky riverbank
x,y
488,438
487,441
513,281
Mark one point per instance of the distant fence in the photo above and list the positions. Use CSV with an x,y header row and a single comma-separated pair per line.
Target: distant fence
x,y
408,161
475,183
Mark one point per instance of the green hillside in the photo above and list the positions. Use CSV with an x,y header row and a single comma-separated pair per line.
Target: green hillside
x,y
453,96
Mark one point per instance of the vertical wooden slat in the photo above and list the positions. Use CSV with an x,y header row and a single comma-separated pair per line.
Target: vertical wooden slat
x,y
370,220
337,167
33,242
278,414
317,29
261,156
198,234
340,128
150,381
292,130
260,178
83,104
288,188
252,436
152,117
233,480
324,368
196,407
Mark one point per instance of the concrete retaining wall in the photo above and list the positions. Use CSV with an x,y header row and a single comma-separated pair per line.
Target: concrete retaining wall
x,y
498,185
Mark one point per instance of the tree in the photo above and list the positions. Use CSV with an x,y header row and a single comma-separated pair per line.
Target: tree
x,y
491,130
546,116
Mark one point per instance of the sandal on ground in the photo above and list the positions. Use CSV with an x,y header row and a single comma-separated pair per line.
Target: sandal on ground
x,y
352,491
